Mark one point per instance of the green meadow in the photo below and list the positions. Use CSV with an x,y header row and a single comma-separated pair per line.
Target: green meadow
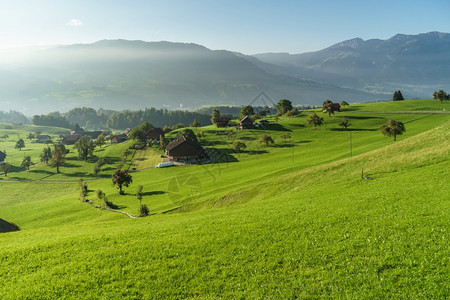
x,y
294,219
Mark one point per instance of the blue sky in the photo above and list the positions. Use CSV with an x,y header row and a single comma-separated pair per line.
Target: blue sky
x,y
246,26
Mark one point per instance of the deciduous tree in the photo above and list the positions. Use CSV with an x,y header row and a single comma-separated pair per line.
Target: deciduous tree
x,y
283,106
195,123
285,136
58,157
314,120
20,144
121,178
26,162
138,131
85,147
215,114
441,95
344,123
344,103
189,134
393,128
100,141
5,168
266,139
46,155
238,146
247,111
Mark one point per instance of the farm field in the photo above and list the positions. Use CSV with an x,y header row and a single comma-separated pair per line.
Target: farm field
x,y
292,219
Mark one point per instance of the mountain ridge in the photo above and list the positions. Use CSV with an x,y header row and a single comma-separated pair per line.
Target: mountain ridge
x,y
401,61
122,74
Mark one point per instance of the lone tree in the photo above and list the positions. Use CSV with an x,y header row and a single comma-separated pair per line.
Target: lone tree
x,y
20,144
238,146
266,139
98,165
392,128
143,209
195,123
138,132
344,103
5,168
283,106
46,155
30,136
26,162
100,141
397,96
441,95
189,134
121,178
247,111
215,114
285,136
314,120
344,123
58,157
85,147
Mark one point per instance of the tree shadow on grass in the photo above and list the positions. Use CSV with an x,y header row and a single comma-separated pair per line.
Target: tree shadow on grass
x,y
352,129
223,155
110,160
276,127
247,138
362,117
74,174
297,125
215,143
255,152
283,145
140,159
152,193
69,165
42,172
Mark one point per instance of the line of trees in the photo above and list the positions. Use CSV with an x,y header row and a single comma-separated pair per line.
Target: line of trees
x,y
52,119
89,117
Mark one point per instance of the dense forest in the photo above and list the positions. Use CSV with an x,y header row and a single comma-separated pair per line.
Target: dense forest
x,y
100,119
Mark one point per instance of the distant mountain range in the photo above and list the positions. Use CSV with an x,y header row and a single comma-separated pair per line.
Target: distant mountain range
x,y
417,64
121,74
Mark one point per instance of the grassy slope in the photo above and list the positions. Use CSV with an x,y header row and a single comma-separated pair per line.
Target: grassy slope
x,y
298,231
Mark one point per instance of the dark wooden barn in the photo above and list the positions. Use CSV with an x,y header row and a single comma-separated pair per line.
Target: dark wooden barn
x,y
183,149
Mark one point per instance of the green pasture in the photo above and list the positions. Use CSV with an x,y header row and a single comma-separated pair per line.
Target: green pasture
x,y
290,220
405,105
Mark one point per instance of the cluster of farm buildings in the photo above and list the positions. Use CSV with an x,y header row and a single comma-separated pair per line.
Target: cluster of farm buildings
x,y
181,149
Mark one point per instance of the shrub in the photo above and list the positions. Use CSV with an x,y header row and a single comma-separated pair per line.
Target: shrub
x,y
143,210
292,112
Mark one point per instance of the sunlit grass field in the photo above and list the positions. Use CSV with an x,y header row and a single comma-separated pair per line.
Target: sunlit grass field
x,y
292,219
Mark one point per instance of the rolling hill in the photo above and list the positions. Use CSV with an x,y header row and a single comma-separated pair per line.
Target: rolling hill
x,y
291,220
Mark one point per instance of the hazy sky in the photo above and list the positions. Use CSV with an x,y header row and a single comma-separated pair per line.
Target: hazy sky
x,y
247,26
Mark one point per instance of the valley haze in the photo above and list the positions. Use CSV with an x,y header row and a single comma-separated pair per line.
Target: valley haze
x,y
123,74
